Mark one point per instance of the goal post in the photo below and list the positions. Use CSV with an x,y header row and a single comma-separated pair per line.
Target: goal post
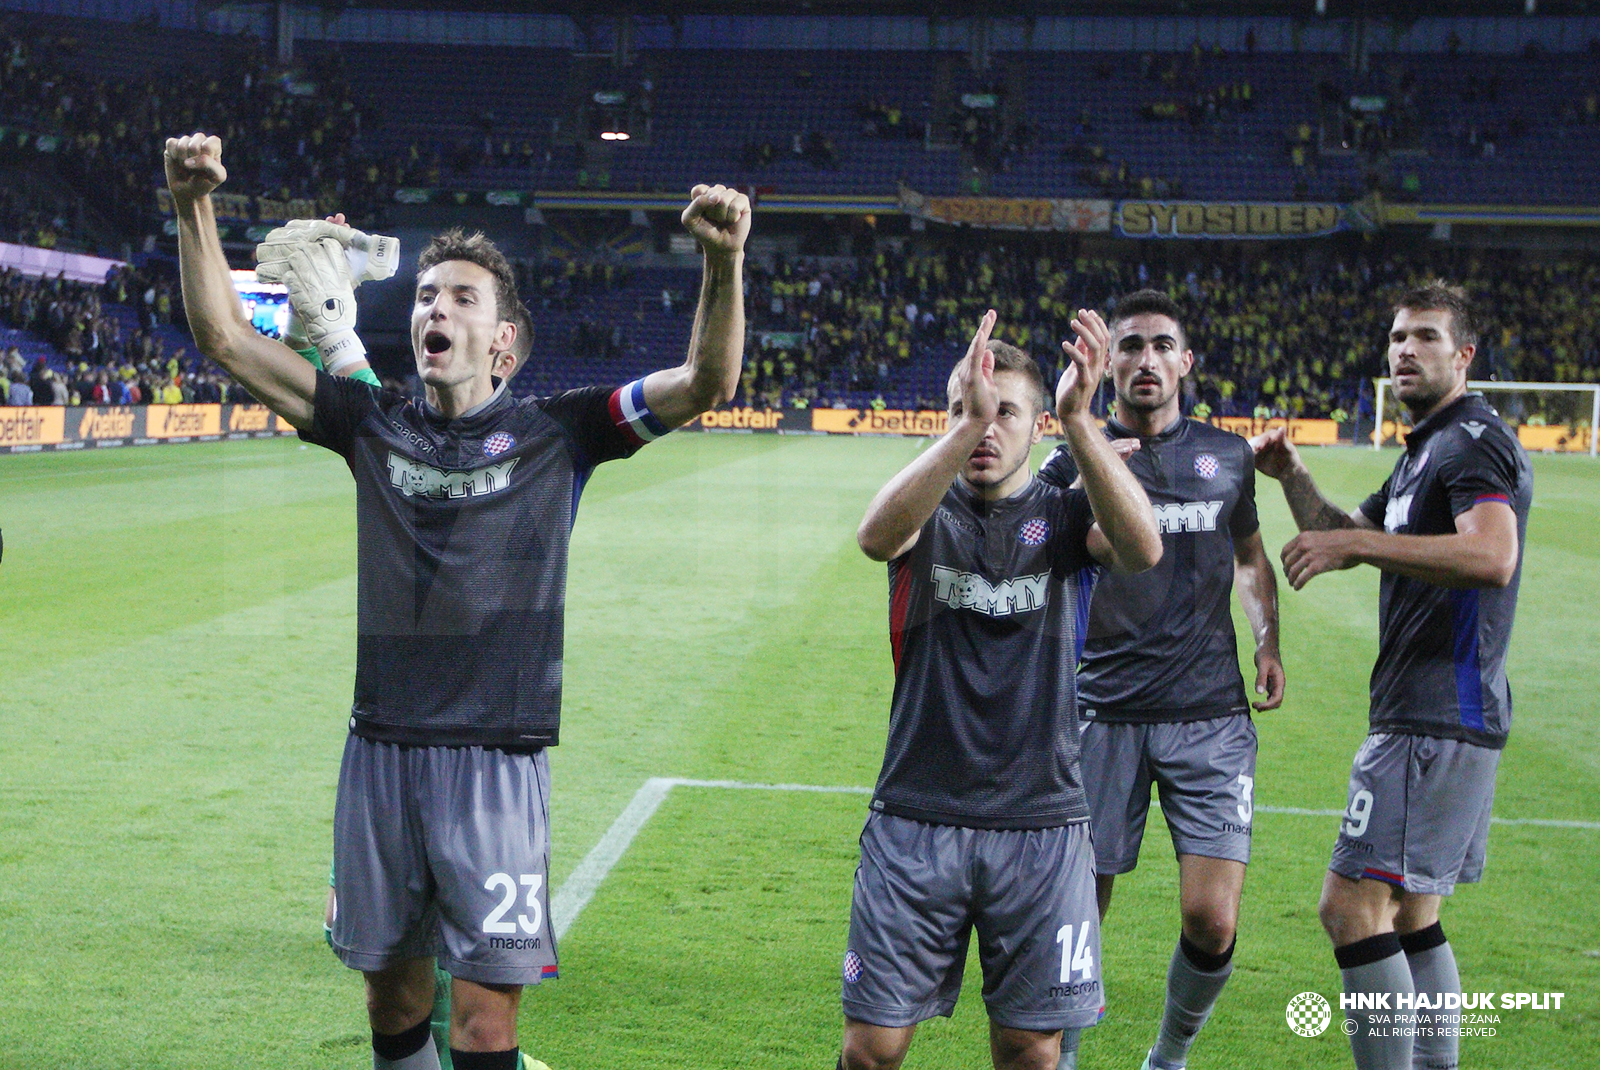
x,y
1570,417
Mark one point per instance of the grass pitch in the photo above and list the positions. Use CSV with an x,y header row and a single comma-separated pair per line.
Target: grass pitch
x,y
176,651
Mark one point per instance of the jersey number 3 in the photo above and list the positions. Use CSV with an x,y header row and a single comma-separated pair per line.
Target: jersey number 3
x,y
504,883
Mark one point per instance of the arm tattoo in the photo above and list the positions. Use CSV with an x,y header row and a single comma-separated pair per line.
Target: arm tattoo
x,y
1313,512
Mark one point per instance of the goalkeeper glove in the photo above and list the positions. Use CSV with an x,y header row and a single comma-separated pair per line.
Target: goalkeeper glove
x,y
323,298
369,257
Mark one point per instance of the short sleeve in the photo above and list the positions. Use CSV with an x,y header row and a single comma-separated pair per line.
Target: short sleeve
x,y
1059,469
1069,546
1377,503
1479,469
605,424
337,410
1245,522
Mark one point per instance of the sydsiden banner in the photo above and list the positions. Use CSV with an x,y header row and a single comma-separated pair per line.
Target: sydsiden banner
x,y
1204,219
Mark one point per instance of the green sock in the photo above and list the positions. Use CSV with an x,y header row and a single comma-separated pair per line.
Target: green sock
x,y
440,1022
368,376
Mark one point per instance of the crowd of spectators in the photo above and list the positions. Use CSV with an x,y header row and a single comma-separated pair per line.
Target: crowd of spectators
x,y
811,146
97,361
1281,335
1274,336
290,132
992,133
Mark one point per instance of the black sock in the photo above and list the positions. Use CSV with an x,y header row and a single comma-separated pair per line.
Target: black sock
x,y
1202,959
397,1046
487,1060
1423,939
1365,952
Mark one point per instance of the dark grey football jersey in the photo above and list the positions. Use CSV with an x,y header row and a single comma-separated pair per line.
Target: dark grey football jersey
x,y
1441,668
985,614
461,534
1161,644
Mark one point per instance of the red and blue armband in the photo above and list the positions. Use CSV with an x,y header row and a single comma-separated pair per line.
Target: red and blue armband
x,y
633,417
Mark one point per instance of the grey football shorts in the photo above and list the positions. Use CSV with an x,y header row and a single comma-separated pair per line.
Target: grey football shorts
x,y
443,852
921,889
1418,813
1204,771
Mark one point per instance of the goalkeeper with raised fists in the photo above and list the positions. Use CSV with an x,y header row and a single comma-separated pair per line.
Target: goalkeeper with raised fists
x,y
465,500
320,249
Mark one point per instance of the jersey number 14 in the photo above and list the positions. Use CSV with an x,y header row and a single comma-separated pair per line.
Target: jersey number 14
x,y
1075,956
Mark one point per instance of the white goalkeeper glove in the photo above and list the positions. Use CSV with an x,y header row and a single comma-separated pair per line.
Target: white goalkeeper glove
x,y
323,298
369,257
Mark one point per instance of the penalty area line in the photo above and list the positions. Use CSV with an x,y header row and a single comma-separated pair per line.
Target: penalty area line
x,y
580,886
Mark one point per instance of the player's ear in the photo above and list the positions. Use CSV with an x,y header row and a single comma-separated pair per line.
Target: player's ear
x,y
1188,362
505,334
1041,424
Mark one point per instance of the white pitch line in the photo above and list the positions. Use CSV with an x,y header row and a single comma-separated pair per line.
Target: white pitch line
x,y
830,789
1538,822
579,887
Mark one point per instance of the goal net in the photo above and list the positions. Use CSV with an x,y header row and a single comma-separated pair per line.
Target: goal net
x,y
1550,417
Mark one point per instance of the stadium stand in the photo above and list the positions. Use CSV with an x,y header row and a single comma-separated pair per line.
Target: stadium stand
x,y
1292,331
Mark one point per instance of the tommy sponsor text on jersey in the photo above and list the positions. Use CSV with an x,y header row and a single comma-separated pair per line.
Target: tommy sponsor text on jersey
x,y
1161,644
462,534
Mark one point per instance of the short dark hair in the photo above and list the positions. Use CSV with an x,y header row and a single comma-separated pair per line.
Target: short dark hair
x,y
457,244
1436,295
1149,302
522,346
1008,358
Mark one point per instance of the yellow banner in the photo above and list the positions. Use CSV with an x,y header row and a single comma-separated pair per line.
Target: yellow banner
x,y
1199,219
740,420
880,421
1010,213
41,426
242,208
182,421
107,423
1301,432
251,418
990,212
898,422
1561,439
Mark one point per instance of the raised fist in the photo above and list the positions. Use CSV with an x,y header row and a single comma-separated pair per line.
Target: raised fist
x,y
719,218
194,165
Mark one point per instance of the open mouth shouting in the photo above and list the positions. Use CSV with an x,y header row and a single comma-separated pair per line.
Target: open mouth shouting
x,y
435,343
